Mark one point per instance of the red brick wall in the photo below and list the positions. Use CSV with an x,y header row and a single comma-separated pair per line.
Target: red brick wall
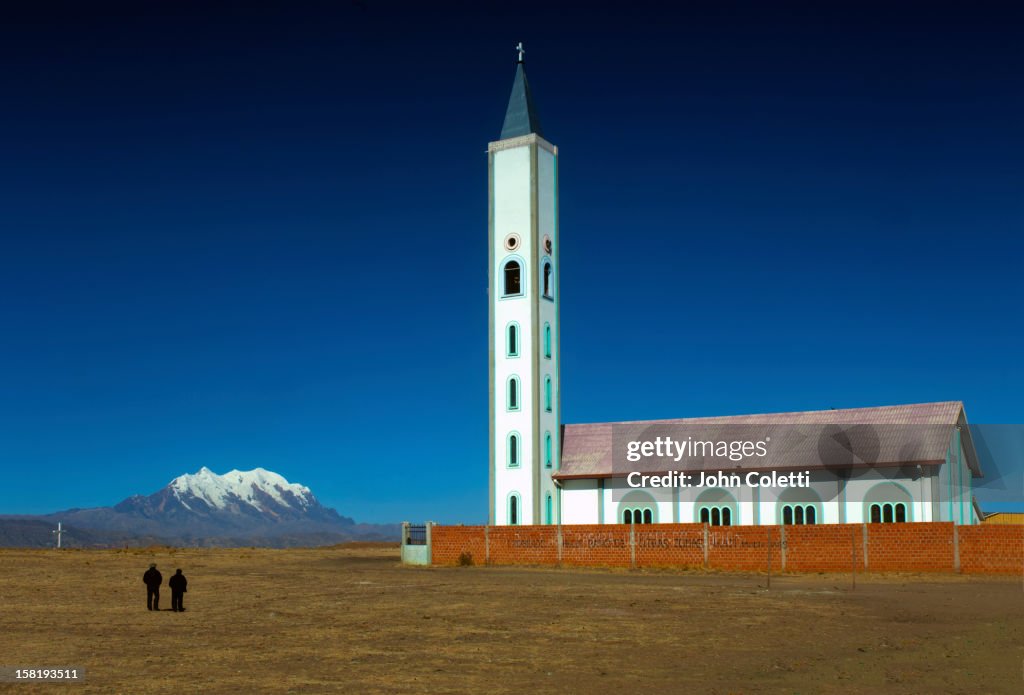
x,y
825,548
669,545
595,544
924,547
523,545
448,542
913,547
992,549
744,547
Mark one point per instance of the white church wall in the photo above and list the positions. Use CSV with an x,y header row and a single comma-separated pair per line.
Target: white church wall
x,y
547,310
580,502
580,499
511,191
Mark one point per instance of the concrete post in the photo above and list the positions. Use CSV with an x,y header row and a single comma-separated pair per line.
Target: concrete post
x,y
865,533
956,548
632,546
706,550
559,545
430,547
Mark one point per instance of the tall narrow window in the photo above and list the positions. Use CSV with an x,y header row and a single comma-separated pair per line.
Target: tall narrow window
x,y
512,340
648,516
627,516
548,509
547,340
798,516
513,510
716,517
726,516
876,514
787,515
809,517
513,279
901,513
548,289
547,450
887,513
513,393
513,450
705,515
547,393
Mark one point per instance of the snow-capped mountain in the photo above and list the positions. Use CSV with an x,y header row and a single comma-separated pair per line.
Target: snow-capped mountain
x,y
259,488
257,507
237,499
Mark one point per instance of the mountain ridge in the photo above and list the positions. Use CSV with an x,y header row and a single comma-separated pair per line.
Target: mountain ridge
x,y
256,507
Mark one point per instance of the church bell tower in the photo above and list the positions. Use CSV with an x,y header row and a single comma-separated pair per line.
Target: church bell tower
x,y
523,326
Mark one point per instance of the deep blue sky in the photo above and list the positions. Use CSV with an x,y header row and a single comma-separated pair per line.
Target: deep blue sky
x,y
240,237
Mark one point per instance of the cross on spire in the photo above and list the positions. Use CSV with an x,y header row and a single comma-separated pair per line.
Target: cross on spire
x,y
59,531
521,51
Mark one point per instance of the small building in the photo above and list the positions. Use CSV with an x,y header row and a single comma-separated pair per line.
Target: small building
x,y
1003,518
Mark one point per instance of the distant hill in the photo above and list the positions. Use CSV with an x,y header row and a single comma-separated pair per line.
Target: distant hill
x,y
240,508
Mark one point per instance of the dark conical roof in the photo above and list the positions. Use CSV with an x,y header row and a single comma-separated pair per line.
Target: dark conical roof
x,y
521,115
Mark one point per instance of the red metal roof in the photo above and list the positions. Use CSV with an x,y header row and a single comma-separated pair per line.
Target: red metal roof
x,y
885,436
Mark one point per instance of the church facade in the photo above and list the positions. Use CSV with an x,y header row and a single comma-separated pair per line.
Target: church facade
x,y
897,464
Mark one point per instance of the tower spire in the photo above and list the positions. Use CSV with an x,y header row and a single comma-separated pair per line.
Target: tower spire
x,y
521,114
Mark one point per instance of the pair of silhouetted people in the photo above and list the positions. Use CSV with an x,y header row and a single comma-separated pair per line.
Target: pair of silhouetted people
x,y
153,579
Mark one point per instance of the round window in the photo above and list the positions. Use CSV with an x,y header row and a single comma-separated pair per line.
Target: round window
x,y
512,242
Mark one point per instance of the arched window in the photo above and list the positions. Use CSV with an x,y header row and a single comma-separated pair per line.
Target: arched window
x,y
513,509
888,503
547,450
799,506
547,393
547,340
512,340
513,393
513,279
549,290
513,450
638,507
548,508
715,506
799,514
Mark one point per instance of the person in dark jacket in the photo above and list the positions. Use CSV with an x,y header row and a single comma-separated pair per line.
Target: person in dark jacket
x,y
178,585
153,579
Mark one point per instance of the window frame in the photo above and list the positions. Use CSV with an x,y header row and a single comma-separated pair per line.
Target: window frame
x,y
517,460
512,327
518,389
503,277
514,503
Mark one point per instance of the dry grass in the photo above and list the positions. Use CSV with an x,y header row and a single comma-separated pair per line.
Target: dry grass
x,y
354,620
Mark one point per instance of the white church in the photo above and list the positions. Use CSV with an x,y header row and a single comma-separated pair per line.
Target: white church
x,y
890,464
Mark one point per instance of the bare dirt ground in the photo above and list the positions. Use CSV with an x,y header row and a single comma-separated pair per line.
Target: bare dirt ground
x,y
353,620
